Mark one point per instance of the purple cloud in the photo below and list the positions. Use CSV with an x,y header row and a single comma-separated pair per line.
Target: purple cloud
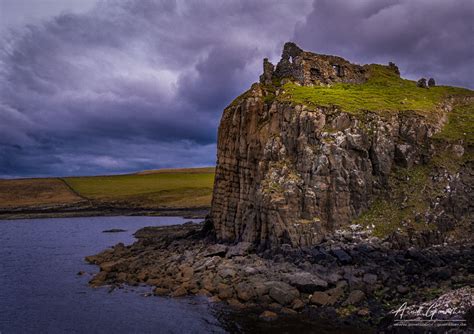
x,y
423,37
140,84
87,89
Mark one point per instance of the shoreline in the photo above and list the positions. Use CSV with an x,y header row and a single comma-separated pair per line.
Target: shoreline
x,y
350,278
92,211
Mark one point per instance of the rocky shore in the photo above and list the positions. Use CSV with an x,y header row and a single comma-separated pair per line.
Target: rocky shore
x,y
349,278
94,210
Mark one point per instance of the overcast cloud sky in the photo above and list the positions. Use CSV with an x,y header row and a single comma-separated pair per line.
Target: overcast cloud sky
x,y
102,86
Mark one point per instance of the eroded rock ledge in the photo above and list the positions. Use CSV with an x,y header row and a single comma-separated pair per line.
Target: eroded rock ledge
x,y
349,277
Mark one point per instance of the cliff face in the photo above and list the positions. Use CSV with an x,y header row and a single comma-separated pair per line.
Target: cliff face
x,y
294,166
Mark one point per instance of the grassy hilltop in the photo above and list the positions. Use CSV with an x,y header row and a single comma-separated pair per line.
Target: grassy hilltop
x,y
384,92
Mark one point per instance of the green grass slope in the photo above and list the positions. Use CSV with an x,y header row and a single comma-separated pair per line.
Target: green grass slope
x,y
173,189
154,189
384,91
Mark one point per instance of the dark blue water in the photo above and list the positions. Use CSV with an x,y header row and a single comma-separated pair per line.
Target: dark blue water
x,y
40,291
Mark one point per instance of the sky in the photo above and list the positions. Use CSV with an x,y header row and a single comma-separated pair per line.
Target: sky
x,y
93,87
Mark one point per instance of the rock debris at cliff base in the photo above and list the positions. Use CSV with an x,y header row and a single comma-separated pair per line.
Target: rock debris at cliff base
x,y
350,277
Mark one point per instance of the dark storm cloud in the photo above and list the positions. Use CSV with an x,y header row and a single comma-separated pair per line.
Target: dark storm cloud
x,y
424,37
130,84
139,84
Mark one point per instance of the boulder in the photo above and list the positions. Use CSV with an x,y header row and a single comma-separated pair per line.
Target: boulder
x,y
99,279
225,291
227,273
319,298
187,273
335,294
203,292
260,288
281,292
241,249
235,304
329,297
268,316
216,250
342,256
305,282
288,311
207,263
297,304
114,230
161,292
179,292
110,266
354,298
421,83
245,291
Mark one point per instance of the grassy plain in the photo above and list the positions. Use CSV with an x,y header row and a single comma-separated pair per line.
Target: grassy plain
x,y
35,192
161,189
154,189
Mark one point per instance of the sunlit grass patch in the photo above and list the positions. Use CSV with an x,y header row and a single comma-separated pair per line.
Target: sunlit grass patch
x,y
165,189
383,92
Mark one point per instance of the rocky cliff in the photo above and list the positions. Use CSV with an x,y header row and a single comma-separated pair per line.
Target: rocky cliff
x,y
320,143
353,158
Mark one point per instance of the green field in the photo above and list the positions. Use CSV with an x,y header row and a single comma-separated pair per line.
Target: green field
x,y
155,189
163,189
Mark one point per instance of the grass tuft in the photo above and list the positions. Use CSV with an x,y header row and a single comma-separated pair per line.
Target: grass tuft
x,y
460,125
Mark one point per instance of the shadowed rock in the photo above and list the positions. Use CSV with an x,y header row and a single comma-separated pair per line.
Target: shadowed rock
x,y
114,230
421,83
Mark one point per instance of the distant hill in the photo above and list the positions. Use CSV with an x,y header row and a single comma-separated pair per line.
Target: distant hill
x,y
151,190
196,170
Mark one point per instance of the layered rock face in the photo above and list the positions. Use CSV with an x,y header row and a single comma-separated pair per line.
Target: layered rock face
x,y
291,173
